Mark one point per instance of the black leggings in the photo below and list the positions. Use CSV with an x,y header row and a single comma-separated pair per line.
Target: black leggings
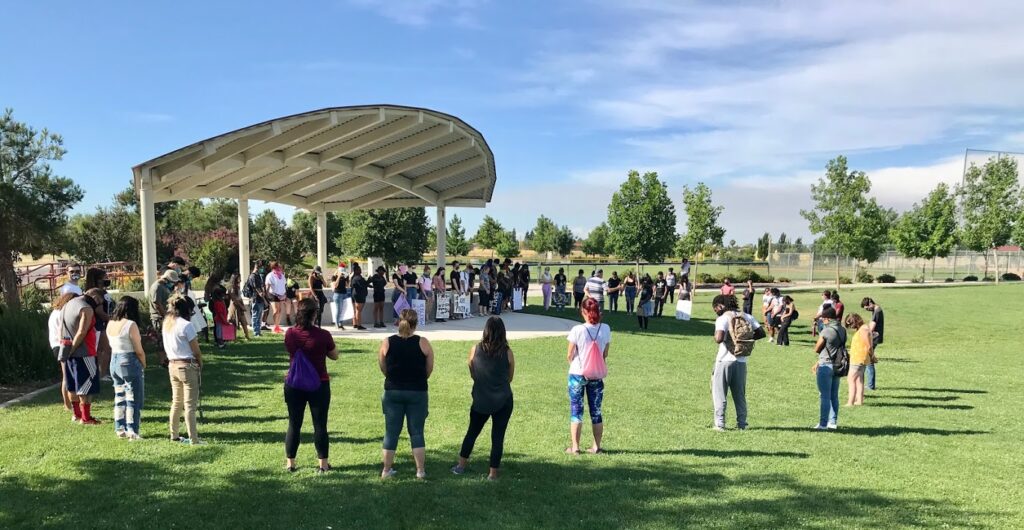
x,y
577,299
659,306
319,402
783,336
322,302
498,426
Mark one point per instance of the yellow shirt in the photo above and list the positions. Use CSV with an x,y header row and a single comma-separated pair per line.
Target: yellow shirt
x,y
860,349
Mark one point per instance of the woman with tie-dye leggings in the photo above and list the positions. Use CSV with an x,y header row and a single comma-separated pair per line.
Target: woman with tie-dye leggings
x,y
127,365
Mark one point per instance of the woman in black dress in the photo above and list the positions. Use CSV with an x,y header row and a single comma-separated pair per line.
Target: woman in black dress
x,y
316,284
379,282
360,288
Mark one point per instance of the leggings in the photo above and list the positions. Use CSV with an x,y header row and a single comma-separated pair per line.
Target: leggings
x,y
498,426
595,396
659,306
630,298
404,406
783,336
577,299
613,302
319,403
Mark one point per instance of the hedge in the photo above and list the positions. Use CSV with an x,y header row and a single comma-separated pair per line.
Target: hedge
x,y
25,353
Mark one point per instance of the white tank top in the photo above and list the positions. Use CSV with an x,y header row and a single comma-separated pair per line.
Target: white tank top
x,y
122,342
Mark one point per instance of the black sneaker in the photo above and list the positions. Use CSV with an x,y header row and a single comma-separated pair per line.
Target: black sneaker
x,y
360,328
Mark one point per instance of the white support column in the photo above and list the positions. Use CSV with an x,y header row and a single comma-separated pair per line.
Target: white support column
x,y
146,209
244,267
321,240
442,234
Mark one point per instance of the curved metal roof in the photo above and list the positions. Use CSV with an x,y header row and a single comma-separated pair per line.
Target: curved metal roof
x,y
340,158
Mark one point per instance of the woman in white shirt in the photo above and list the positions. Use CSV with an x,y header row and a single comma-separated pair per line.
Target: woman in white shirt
x,y
545,287
580,338
182,349
276,285
127,367
54,327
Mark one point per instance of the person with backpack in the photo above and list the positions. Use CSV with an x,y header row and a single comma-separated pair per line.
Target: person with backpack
x,y
831,365
492,366
877,329
735,333
309,346
587,354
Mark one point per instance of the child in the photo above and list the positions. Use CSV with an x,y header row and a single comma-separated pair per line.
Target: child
x,y
220,315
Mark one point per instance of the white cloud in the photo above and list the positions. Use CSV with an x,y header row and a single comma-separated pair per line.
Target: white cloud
x,y
461,13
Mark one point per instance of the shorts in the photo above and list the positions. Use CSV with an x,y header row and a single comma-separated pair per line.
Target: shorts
x,y
83,376
378,299
359,299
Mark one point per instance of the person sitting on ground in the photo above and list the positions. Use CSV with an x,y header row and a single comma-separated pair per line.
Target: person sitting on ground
x,y
580,337
182,349
860,358
406,360
127,368
308,339
492,366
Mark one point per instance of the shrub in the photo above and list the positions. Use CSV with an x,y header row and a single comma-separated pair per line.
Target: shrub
x,y
783,279
34,299
970,278
744,273
886,278
25,348
863,276
1010,277
845,280
133,285
704,277
988,279
950,280
917,279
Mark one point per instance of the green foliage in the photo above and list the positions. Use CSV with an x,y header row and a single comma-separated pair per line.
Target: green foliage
x,y
565,241
783,279
743,274
970,278
508,245
764,243
848,222
396,235
702,228
544,236
33,201
34,299
596,243
844,280
642,219
216,256
432,237
456,244
489,233
989,203
25,353
109,234
863,276
886,278
1010,277
928,229
272,240
133,285
304,224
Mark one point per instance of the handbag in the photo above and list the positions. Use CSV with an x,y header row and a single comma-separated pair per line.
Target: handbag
x,y
401,304
301,373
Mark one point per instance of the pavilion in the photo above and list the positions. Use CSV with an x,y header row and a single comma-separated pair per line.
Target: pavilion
x,y
334,159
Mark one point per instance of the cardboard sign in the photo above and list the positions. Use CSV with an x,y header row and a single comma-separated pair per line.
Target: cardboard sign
x,y
463,306
420,306
684,308
443,304
561,299
517,300
347,311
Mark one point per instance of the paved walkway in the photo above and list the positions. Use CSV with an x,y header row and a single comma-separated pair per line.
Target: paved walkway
x,y
517,325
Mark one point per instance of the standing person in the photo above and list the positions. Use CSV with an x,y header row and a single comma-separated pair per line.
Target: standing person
x,y
545,287
671,284
78,339
127,368
157,295
560,283
236,306
595,289
831,341
838,305
406,360
645,306
629,285
614,287
186,361
580,338
484,294
411,282
470,279
492,366
96,285
777,306
276,288
360,289
766,311
660,293
398,291
877,329
316,286
727,287
440,296
379,282
255,291
340,286
524,281
503,285
456,279
860,358
579,285
317,345
426,287
826,301
730,372
291,295
786,318
748,297
74,274
684,275
55,325
219,309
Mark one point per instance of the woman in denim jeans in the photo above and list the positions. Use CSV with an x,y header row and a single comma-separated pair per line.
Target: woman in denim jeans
x,y
127,366
340,286
831,341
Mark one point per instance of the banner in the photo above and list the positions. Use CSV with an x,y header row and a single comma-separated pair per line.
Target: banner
x,y
420,306
464,304
347,311
517,300
443,303
561,299
684,308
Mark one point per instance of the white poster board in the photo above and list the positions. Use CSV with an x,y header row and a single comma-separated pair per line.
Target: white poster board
x,y
684,308
517,300
347,310
419,305
443,302
464,304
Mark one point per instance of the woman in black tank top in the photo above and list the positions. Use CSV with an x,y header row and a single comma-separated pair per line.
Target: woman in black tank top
x,y
492,366
406,360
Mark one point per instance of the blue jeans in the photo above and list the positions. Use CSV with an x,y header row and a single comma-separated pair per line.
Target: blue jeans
x,y
338,300
256,313
129,391
828,390
412,293
410,407
630,298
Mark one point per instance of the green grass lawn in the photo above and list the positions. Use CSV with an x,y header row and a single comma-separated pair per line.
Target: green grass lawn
x,y
938,445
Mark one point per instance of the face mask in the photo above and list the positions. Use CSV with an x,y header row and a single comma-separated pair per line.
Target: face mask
x,y
106,283
720,311
75,276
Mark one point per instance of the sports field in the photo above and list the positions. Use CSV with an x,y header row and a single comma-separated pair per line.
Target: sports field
x,y
938,445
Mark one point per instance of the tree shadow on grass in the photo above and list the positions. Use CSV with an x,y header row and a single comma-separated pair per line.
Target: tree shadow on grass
x,y
277,437
875,403
944,390
919,398
709,453
531,494
883,431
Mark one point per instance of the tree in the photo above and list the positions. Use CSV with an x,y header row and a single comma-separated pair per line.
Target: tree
x,y
596,243
1018,226
456,242
544,236
396,235
489,233
110,234
989,202
782,245
273,241
764,244
641,219
702,229
848,221
33,201
565,241
304,224
928,229
432,237
508,245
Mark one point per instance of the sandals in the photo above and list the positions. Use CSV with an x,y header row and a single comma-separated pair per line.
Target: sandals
x,y
571,451
594,450
458,470
322,470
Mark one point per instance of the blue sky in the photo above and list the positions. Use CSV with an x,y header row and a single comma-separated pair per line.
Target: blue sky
x,y
749,97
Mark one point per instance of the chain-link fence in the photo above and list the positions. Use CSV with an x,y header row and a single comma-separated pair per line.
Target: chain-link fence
x,y
814,266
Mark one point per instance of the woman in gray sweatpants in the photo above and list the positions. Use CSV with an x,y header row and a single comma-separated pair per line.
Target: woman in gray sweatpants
x,y
730,372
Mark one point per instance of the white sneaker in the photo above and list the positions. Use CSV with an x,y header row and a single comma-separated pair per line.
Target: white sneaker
x,y
820,427
832,426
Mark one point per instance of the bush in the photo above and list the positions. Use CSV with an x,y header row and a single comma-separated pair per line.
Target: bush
x,y
886,278
25,348
783,279
703,277
950,280
744,274
34,299
1010,277
863,276
133,285
970,278
845,280
988,279
917,279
